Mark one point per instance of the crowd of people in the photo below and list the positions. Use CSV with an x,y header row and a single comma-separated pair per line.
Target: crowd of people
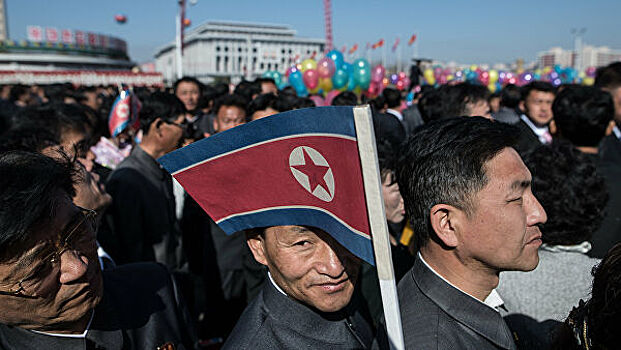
x,y
504,215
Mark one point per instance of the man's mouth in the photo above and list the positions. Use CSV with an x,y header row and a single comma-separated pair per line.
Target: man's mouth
x,y
333,287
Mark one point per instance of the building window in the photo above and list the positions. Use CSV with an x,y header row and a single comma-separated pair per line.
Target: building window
x,y
226,63
218,48
218,63
289,50
282,51
226,49
239,49
261,66
254,49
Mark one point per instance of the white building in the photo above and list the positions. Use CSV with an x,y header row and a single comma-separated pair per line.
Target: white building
x,y
235,50
589,56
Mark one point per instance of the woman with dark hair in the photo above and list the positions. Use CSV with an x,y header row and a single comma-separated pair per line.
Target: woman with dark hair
x,y
594,324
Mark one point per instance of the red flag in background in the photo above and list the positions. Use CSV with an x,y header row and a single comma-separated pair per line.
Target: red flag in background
x,y
353,49
344,48
412,40
395,45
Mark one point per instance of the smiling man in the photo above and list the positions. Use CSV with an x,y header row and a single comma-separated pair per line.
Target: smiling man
x,y
307,300
53,294
467,192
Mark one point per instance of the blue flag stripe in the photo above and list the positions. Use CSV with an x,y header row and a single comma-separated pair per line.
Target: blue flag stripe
x,y
354,242
323,120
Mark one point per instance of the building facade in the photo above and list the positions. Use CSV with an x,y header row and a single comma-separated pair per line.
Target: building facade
x,y
236,50
588,56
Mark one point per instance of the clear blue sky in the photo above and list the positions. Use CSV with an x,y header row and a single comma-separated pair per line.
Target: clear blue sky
x,y
473,31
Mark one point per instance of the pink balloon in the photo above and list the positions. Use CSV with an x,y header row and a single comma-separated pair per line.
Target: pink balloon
x,y
400,85
319,102
377,74
311,79
325,68
373,89
402,75
406,82
330,96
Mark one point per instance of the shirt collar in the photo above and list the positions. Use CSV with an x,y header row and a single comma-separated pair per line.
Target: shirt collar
x,y
617,132
493,300
539,131
396,113
583,248
81,335
274,283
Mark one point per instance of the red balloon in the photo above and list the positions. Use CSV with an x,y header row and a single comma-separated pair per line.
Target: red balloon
x,y
400,85
120,18
311,79
187,22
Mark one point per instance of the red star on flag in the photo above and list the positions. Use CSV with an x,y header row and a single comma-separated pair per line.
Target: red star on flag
x,y
315,172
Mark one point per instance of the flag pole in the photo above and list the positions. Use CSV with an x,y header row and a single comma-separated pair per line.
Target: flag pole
x,y
379,226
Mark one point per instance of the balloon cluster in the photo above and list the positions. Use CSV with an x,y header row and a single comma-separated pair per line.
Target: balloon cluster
x,y
332,73
496,79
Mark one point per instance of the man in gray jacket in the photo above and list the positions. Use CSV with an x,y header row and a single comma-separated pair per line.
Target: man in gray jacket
x,y
468,194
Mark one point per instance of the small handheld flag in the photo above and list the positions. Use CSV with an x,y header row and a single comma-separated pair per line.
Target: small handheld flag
x,y
124,113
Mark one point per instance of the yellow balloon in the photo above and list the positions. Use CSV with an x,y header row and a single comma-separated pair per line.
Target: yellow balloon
x,y
538,71
582,75
547,70
325,84
431,80
588,81
314,91
473,67
344,88
493,76
307,64
450,77
491,87
428,73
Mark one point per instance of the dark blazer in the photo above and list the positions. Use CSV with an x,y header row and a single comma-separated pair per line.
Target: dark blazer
x,y
411,119
609,232
275,321
527,140
610,149
436,315
143,213
140,309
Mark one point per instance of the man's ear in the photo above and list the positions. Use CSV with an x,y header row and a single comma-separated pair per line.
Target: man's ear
x,y
521,105
257,247
155,126
552,127
444,219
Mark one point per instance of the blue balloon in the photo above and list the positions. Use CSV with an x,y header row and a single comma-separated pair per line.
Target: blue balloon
x,y
295,77
340,79
471,76
337,57
347,67
351,84
557,68
362,77
361,63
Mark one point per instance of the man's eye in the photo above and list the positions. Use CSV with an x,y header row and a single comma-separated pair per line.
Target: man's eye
x,y
302,243
516,200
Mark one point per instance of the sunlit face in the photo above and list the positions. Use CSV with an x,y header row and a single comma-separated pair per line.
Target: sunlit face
x,y
308,265
393,202
64,295
502,232
229,117
538,107
189,94
172,134
267,88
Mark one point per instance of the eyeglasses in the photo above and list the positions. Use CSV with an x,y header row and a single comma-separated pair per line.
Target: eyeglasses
x,y
45,272
183,125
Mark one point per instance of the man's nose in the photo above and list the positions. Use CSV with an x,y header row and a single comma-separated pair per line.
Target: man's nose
x,y
329,262
536,214
73,266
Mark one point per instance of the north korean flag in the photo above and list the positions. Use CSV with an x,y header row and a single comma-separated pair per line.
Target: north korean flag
x,y
295,168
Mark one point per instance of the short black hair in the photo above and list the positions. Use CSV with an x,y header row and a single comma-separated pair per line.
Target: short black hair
x,y
247,89
230,100
191,80
432,104
457,97
29,187
387,160
536,85
265,80
582,114
444,162
510,96
345,98
392,97
608,77
568,186
30,138
163,105
17,91
263,102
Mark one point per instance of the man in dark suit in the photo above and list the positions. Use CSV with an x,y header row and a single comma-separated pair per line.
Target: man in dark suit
x,y
536,105
307,301
143,206
584,116
53,293
467,193
609,79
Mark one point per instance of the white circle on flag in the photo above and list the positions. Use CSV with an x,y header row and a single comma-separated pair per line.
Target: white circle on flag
x,y
312,171
123,111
